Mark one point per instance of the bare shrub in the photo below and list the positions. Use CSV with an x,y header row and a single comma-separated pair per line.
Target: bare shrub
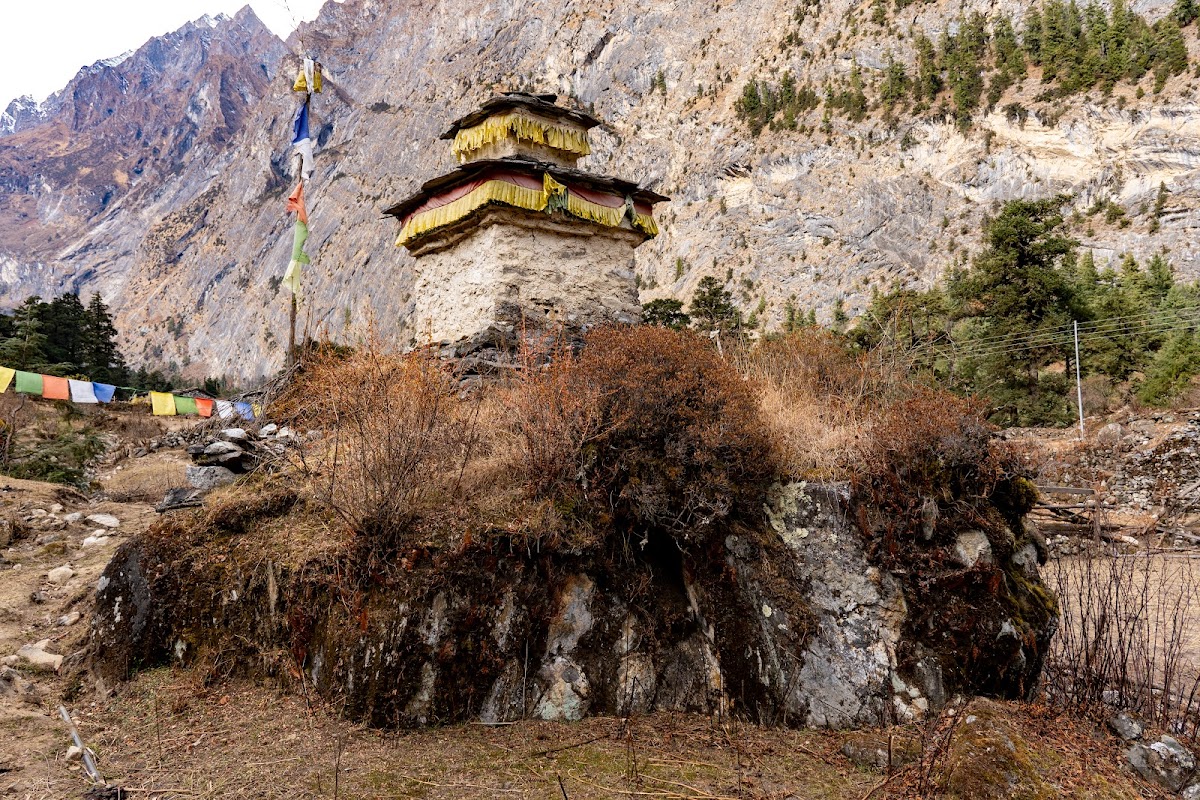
x,y
394,440
646,427
1126,640
555,417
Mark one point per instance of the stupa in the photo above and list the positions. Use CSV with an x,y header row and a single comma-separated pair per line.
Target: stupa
x,y
517,237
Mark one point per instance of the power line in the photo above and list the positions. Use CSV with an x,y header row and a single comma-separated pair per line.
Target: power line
x,y
1150,322
966,351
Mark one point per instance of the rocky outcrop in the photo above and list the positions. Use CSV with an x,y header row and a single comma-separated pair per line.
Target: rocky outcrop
x,y
791,624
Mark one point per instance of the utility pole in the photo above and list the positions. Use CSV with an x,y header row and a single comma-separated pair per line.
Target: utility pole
x,y
1078,381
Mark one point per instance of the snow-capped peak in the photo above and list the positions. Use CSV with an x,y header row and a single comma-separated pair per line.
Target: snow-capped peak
x,y
116,60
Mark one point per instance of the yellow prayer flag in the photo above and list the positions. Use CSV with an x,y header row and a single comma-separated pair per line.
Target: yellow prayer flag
x,y
309,78
163,404
6,378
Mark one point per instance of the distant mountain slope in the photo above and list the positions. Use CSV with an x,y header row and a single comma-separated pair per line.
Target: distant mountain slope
x,y
117,141
830,201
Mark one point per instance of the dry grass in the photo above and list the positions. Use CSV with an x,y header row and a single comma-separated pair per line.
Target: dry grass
x,y
833,413
169,736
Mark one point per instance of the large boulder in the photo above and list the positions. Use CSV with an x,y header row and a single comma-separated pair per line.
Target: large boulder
x,y
796,621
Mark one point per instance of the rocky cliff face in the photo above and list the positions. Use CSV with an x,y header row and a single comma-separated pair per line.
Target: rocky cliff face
x,y
189,250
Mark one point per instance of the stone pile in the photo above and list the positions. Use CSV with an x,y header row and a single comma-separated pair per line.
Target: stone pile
x,y
219,459
1144,470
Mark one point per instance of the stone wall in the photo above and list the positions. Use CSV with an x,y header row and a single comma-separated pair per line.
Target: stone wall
x,y
502,267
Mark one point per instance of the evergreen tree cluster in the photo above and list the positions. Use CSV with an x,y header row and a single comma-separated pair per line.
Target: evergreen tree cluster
x,y
762,104
63,337
1077,48
1081,48
1002,326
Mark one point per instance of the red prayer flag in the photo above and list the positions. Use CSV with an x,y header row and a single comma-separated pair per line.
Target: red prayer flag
x,y
295,202
55,388
204,407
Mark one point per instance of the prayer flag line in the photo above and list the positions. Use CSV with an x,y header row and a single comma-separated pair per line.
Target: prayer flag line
x,y
52,387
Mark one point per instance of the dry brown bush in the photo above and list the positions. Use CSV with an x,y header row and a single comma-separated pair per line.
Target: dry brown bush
x,y
646,428
395,440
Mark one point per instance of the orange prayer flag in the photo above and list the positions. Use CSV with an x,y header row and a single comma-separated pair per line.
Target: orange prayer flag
x,y
295,202
204,407
55,388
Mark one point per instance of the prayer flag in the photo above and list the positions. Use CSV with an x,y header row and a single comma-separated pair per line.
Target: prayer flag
x,y
6,377
82,392
224,409
204,407
163,404
300,124
185,405
104,392
304,149
295,202
257,409
245,410
299,237
29,382
55,388
308,79
291,278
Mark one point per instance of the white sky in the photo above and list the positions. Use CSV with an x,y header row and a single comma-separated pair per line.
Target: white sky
x,y
43,43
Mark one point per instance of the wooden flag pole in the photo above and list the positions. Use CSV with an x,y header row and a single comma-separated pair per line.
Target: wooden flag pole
x,y
291,353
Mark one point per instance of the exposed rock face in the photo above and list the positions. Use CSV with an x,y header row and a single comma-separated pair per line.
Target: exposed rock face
x,y
793,624
789,212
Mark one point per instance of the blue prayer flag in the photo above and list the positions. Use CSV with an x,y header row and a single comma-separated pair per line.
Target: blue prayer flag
x,y
245,409
104,392
300,125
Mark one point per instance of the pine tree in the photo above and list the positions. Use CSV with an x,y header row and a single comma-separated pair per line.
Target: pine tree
x,y
1185,12
895,85
63,321
929,72
666,312
1160,279
712,307
1014,290
101,358
26,348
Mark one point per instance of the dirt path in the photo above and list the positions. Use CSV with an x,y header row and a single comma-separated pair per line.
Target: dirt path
x,y
50,558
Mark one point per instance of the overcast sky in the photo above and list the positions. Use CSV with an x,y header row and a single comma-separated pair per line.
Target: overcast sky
x,y
43,43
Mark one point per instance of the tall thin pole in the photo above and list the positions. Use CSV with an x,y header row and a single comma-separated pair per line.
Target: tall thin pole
x,y
291,353
1078,381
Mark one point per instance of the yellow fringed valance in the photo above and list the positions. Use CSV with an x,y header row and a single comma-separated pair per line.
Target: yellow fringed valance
x,y
552,187
552,196
646,224
521,127
499,191
586,209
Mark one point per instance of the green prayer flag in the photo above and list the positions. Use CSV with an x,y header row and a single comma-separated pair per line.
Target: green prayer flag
x,y
185,405
299,237
29,382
